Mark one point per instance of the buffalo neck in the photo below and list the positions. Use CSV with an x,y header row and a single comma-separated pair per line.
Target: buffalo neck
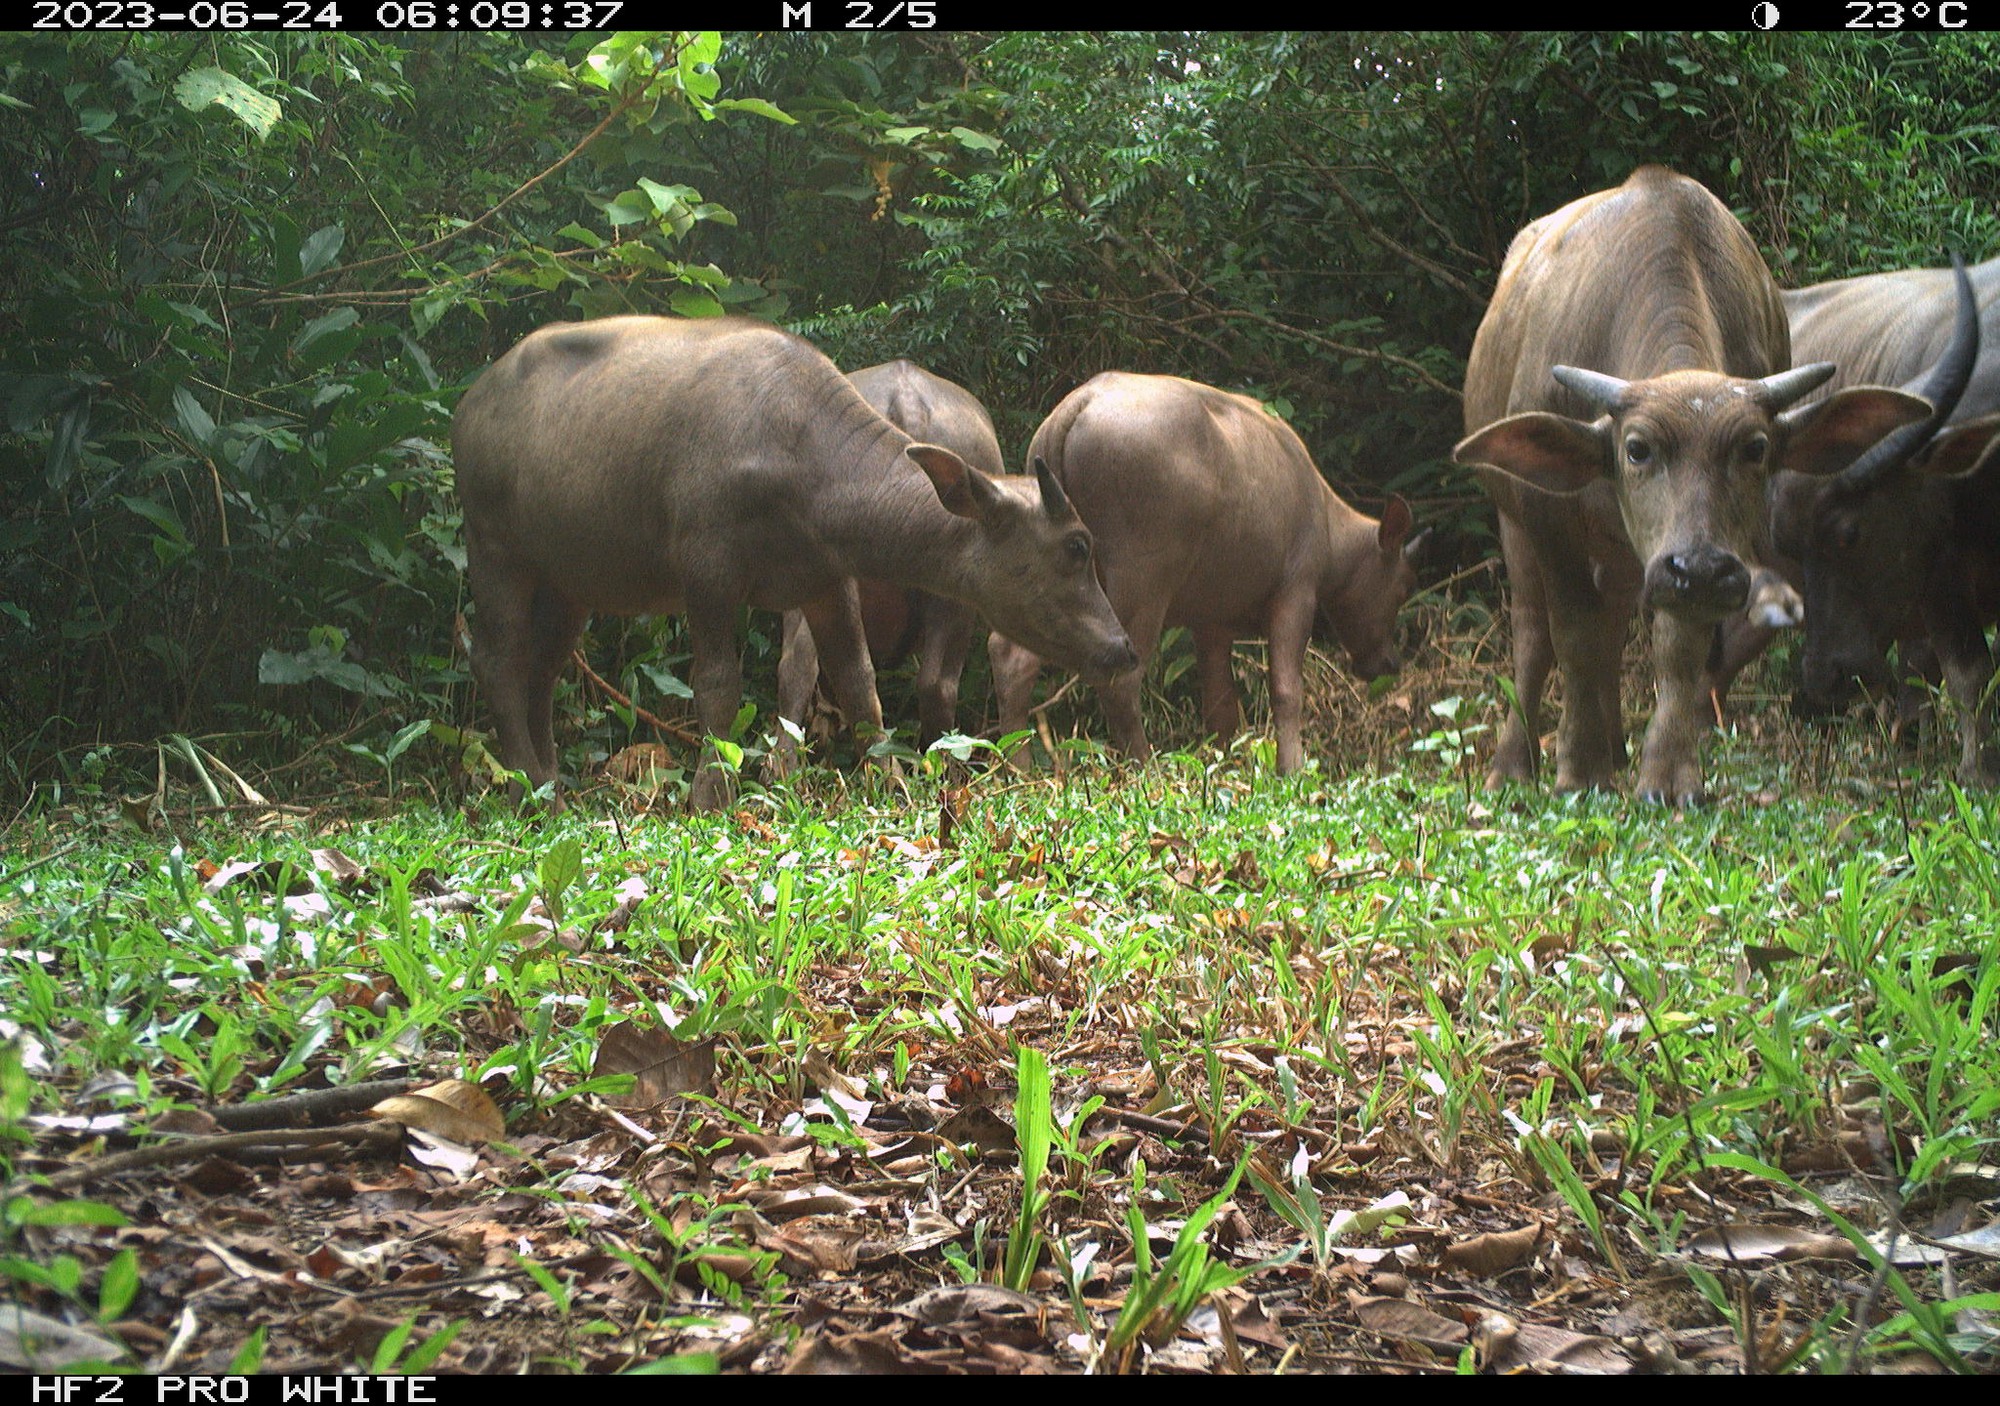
x,y
1350,537
878,512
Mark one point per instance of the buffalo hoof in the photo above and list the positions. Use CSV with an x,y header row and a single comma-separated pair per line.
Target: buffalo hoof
x,y
1676,786
714,789
1984,775
782,760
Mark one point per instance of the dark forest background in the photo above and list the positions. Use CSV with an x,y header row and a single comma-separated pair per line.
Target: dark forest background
x,y
246,277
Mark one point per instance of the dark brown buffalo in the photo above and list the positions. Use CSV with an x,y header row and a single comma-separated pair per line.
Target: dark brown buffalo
x,y
898,619
645,464
1903,546
1625,405
1210,513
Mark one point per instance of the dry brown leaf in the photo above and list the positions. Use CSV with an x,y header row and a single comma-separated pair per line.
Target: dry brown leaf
x,y
927,1230
443,1154
660,1065
806,1201
1407,1321
1495,1253
337,867
1770,1242
641,764
980,1126
1538,1346
451,1108
42,1344
971,1305
854,1355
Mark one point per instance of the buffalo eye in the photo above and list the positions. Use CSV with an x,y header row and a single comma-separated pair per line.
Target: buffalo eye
x,y
1078,548
1755,448
1848,535
1638,452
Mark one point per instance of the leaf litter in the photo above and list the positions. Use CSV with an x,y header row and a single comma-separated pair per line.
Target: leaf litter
x,y
840,1201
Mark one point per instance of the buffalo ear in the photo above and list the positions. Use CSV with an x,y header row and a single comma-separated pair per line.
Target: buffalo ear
x,y
960,487
1397,519
1550,452
1962,450
1828,435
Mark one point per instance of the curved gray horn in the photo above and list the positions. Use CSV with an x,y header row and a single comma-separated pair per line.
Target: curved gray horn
x,y
1416,543
1055,502
1776,392
1599,389
1941,385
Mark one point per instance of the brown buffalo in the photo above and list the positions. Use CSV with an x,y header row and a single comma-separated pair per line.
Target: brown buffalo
x,y
1625,403
1210,513
645,464
1902,546
898,619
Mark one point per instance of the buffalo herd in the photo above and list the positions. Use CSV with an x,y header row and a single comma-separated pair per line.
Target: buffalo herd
x,y
1659,426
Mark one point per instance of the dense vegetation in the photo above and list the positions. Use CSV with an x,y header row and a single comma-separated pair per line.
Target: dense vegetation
x,y
250,274
1175,1067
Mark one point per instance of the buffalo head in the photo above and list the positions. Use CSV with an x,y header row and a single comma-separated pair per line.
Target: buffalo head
x,y
1688,455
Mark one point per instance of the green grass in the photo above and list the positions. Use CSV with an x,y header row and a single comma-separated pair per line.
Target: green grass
x,y
1581,996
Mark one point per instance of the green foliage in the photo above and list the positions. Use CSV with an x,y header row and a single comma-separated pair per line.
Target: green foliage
x,y
251,273
1034,1130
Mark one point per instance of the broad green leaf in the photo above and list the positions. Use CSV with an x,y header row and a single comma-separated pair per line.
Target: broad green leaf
x,y
339,320
65,1213
759,107
686,1364
119,1286
159,514
692,302
976,141
320,247
199,88
196,423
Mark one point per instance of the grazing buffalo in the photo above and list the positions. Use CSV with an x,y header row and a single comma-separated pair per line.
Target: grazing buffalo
x,y
1210,513
644,464
1625,404
1902,546
899,619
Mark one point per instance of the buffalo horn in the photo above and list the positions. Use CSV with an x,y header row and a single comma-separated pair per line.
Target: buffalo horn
x,y
1600,390
1942,385
1055,502
1774,393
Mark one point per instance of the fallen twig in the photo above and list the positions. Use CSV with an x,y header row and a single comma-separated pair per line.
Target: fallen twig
x,y
670,729
370,1136
310,1106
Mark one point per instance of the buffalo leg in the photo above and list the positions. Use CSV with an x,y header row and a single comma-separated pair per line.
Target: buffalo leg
x,y
944,638
1291,628
1670,764
835,621
1221,713
1968,674
798,678
1121,694
1917,672
525,633
717,680
1738,642
1519,751
1014,667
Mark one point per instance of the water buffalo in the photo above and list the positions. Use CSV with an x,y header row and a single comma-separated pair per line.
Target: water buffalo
x,y
1625,403
898,619
1902,546
645,464
1210,513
